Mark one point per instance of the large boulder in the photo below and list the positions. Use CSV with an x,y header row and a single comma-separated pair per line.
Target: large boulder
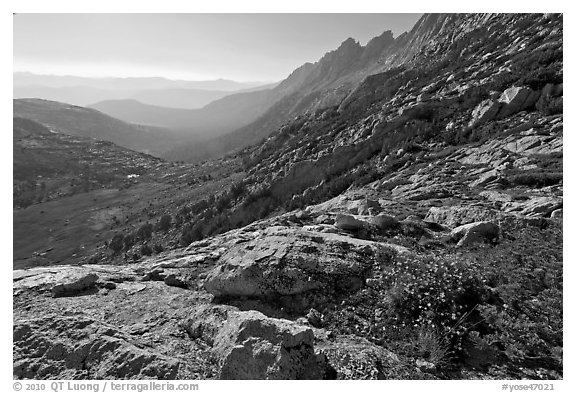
x,y
363,206
384,221
541,206
349,223
67,280
74,283
511,101
536,207
475,232
496,196
74,346
355,358
516,99
175,281
520,145
485,178
122,328
485,111
249,345
453,216
557,214
291,262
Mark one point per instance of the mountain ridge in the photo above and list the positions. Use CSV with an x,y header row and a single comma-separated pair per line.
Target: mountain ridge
x,y
86,122
318,85
29,78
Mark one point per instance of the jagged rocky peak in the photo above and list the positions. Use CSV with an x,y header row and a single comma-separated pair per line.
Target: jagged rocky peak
x,y
333,64
338,60
348,44
376,45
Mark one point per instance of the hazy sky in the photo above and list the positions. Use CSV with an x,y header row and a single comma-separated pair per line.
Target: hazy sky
x,y
244,47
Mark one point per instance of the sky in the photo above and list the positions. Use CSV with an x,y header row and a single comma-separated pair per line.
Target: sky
x,y
241,47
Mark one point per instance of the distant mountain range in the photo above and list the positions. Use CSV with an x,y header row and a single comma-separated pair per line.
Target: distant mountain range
x,y
112,83
217,118
153,91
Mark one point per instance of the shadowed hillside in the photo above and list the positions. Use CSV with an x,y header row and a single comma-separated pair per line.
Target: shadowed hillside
x,y
79,121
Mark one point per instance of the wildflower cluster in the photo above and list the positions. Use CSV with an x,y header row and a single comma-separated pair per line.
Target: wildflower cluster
x,y
435,293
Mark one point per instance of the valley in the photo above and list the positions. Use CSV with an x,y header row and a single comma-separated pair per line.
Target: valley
x,y
71,194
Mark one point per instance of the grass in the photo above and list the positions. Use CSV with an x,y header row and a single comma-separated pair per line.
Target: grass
x,y
75,228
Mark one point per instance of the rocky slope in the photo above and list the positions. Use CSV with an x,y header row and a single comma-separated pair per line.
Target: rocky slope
x,y
49,165
323,293
331,79
410,229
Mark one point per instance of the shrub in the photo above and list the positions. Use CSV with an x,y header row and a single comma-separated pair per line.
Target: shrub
x,y
536,179
223,202
539,67
183,214
190,233
421,112
164,223
158,248
198,207
116,243
145,249
434,292
129,241
144,232
237,190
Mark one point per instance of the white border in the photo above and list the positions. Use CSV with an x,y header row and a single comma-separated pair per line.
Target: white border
x,y
304,6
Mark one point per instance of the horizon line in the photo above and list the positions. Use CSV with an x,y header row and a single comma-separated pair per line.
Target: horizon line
x,y
147,77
